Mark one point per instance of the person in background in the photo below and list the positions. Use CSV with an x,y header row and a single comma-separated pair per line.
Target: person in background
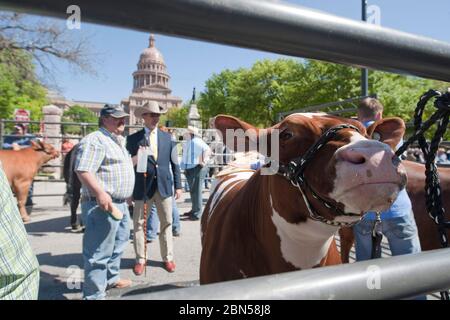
x,y
398,224
196,154
441,157
66,146
105,169
19,138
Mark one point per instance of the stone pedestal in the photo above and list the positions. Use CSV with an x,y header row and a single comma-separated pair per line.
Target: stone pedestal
x,y
52,134
194,116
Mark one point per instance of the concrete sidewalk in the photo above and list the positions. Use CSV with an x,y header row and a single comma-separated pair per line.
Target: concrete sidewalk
x,y
58,250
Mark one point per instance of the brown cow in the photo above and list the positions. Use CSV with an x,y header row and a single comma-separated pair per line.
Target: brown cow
x,y
255,224
428,235
22,165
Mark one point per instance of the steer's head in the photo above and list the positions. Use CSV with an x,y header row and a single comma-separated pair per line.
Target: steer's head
x,y
354,171
49,152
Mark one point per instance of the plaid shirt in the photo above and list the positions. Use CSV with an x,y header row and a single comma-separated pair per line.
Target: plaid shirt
x,y
105,155
19,268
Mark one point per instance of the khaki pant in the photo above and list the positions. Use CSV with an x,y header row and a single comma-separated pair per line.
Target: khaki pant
x,y
164,208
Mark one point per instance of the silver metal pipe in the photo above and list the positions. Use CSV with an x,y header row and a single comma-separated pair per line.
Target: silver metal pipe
x,y
397,277
269,26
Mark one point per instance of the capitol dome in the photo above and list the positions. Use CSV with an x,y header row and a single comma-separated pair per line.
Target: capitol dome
x,y
151,54
151,69
150,83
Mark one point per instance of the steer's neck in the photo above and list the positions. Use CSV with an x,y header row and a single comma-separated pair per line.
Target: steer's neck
x,y
303,242
37,157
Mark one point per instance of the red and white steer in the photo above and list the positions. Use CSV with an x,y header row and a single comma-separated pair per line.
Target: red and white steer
x,y
256,224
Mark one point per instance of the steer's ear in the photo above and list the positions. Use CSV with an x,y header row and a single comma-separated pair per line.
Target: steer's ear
x,y
34,144
388,130
238,135
41,144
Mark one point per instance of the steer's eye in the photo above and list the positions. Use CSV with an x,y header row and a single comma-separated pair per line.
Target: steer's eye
x,y
285,135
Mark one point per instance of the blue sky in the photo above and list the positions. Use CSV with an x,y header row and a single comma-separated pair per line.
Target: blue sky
x,y
191,63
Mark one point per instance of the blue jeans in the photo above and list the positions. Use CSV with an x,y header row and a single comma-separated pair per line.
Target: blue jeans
x,y
401,233
153,221
195,178
104,242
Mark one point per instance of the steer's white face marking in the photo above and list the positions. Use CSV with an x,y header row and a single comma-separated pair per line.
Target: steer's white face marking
x,y
355,138
304,244
357,177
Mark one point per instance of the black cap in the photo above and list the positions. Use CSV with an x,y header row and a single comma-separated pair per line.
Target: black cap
x,y
115,111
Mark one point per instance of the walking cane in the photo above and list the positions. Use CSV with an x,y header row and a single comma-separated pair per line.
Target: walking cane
x,y
145,223
142,168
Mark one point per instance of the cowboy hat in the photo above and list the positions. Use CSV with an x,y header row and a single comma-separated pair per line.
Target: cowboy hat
x,y
149,107
195,131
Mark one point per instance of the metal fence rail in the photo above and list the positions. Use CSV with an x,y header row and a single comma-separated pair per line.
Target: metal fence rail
x,y
322,106
265,25
397,277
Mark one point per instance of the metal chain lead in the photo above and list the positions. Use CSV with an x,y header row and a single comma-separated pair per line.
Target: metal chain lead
x,y
433,194
294,173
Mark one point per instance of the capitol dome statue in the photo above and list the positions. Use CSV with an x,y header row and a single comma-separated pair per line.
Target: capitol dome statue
x,y
150,82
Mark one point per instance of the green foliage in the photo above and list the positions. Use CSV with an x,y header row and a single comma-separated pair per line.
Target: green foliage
x,y
78,113
177,117
19,87
258,94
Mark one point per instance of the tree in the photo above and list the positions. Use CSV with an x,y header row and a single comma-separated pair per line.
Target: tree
x,y
19,87
44,41
259,93
78,113
177,117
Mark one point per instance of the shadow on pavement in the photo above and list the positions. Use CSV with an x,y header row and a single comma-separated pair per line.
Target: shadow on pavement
x,y
61,224
61,261
58,288
143,289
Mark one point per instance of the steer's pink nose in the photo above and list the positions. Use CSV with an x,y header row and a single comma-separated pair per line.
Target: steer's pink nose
x,y
372,156
370,162
355,156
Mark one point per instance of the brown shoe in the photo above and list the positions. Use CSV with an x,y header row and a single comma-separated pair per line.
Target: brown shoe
x,y
169,266
139,269
122,283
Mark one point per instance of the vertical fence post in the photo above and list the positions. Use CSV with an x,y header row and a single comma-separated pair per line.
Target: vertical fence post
x,y
364,71
83,129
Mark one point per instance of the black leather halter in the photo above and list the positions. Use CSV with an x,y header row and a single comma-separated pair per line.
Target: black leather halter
x,y
294,172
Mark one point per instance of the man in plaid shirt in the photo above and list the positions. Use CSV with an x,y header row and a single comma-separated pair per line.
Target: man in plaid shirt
x,y
19,269
105,169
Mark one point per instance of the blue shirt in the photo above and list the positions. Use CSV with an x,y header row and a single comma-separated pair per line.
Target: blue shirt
x,y
401,206
192,150
23,141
